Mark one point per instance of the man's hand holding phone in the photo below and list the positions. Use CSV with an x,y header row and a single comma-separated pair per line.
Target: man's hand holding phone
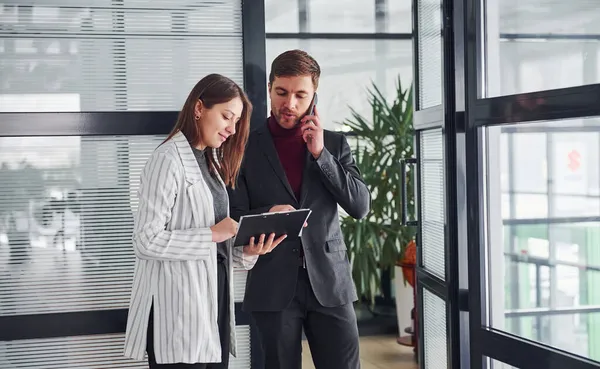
x,y
312,133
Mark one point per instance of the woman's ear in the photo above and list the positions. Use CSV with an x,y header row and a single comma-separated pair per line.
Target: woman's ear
x,y
198,109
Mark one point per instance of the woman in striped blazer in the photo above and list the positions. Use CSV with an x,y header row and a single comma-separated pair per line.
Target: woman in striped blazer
x,y
182,309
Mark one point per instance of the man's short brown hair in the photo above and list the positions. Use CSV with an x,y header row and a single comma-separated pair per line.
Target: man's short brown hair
x,y
293,63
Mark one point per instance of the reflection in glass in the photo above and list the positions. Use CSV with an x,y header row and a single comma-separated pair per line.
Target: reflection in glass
x,y
544,233
533,47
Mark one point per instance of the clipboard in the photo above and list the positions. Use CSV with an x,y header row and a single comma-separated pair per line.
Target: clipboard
x,y
280,223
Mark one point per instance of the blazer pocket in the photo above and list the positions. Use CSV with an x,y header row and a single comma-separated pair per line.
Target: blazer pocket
x,y
336,245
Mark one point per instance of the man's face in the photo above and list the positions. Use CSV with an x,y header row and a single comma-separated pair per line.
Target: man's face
x,y
290,99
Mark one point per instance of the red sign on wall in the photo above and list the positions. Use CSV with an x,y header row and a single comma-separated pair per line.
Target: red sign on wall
x,y
574,160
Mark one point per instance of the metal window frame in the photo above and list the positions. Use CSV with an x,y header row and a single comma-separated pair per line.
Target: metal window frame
x,y
255,85
130,123
337,36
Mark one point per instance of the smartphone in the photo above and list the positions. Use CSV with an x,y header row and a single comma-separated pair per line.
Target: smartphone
x,y
311,108
313,103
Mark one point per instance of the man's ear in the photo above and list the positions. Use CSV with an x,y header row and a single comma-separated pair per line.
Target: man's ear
x,y
269,86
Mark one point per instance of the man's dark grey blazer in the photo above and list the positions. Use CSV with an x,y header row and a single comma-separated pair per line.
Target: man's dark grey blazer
x,y
331,180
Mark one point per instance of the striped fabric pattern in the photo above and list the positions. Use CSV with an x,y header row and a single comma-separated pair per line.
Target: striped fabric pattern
x,y
176,260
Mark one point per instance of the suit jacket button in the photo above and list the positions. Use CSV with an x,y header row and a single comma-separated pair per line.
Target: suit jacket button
x,y
295,250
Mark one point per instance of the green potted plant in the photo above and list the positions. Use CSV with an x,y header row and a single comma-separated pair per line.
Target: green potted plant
x,y
377,242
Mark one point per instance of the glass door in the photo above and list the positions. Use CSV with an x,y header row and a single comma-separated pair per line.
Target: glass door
x,y
435,126
533,184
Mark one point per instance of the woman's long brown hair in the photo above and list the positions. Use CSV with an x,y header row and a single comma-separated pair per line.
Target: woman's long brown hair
x,y
217,89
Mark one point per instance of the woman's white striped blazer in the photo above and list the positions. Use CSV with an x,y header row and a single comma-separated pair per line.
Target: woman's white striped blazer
x,y
176,262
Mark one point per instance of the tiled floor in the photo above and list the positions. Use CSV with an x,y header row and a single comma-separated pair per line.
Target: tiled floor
x,y
379,352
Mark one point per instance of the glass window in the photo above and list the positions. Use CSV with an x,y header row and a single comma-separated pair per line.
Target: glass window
x,y
347,69
341,16
541,46
92,352
66,218
529,177
435,335
281,16
430,58
544,267
115,58
400,16
338,16
82,352
563,163
496,364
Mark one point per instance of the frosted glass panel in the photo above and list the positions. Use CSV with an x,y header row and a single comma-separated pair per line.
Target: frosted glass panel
x,y
434,331
432,202
430,53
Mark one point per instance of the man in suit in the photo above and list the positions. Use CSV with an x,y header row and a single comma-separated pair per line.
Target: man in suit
x,y
291,162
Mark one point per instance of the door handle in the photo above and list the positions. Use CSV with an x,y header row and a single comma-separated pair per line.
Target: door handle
x,y
463,300
403,165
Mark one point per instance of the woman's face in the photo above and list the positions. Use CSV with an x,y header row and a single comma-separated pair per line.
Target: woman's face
x,y
218,123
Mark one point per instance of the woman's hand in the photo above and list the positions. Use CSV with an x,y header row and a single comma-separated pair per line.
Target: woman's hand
x,y
224,230
263,247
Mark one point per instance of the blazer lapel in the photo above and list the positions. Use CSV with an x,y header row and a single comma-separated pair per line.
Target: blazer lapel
x,y
308,164
268,148
190,165
197,190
